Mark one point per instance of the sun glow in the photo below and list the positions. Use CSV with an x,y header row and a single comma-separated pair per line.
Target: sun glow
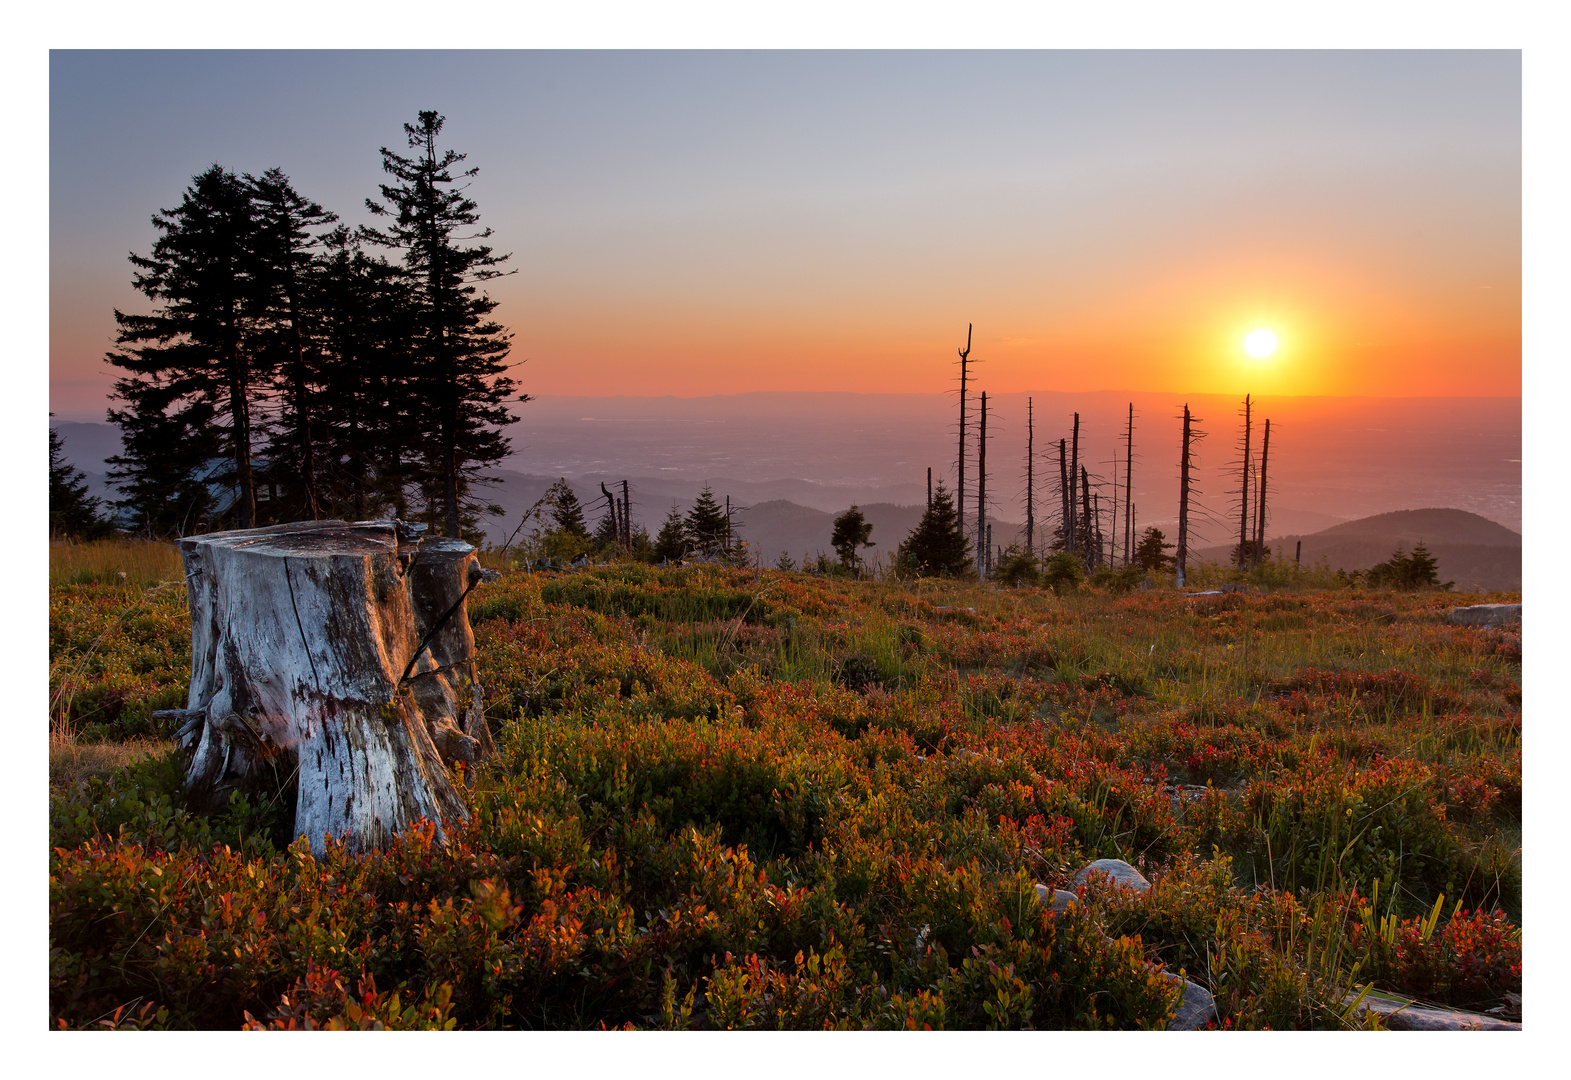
x,y
1260,344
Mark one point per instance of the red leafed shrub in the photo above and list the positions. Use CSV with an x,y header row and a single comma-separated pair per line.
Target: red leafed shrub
x,y
1476,959
319,1002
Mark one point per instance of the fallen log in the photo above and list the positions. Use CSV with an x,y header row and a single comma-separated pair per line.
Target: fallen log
x,y
340,651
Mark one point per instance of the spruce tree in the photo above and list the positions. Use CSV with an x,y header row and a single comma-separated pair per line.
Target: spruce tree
x,y
458,379
1151,554
286,307
364,409
194,353
936,547
852,531
607,532
72,511
671,543
566,511
707,527
165,465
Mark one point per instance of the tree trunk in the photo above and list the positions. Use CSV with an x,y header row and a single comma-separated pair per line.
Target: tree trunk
x,y
1260,499
1074,466
1030,517
627,519
960,461
981,494
343,649
1129,478
1244,505
1066,496
1182,554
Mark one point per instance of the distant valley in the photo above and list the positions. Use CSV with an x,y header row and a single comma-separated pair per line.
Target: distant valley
x,y
791,462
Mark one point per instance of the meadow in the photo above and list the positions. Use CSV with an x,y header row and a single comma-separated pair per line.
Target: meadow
x,y
733,798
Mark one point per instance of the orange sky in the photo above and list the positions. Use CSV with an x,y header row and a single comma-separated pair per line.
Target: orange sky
x,y
711,223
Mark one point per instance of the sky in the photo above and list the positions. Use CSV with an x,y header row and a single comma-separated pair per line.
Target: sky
x,y
695,223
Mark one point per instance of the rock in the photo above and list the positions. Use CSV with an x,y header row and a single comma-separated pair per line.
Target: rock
x,y
1060,900
1486,615
1404,1014
1196,1010
1207,592
1117,871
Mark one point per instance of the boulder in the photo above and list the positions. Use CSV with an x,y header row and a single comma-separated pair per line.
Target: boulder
x,y
1196,1010
1486,615
1405,1014
1117,871
1060,900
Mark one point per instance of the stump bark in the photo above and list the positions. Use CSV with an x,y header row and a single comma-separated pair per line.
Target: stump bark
x,y
343,650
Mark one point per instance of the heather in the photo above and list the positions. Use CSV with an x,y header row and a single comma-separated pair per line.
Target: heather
x,y
750,798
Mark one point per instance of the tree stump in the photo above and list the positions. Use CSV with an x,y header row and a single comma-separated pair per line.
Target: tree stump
x,y
343,650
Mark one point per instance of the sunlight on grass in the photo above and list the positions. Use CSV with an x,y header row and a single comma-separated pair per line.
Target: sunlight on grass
x,y
133,562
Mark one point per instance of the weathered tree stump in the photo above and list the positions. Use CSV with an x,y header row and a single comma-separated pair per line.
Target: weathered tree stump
x,y
342,649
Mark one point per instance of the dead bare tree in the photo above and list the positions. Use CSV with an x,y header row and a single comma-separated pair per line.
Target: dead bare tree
x,y
1244,505
1093,547
611,508
1260,515
1030,460
1112,529
1065,493
981,493
960,467
1129,514
1074,464
627,520
1182,554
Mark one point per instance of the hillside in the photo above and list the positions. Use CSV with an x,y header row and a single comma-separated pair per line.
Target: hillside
x,y
1432,526
1472,551
728,798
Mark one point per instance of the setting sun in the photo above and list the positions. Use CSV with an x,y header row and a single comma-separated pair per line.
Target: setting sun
x,y
1260,344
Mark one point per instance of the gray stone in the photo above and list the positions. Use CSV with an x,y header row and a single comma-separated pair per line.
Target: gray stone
x,y
1117,871
1060,900
1196,1010
1487,615
1404,1014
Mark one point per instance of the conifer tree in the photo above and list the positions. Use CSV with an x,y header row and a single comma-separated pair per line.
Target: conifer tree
x,y
1151,554
852,531
194,352
608,532
167,447
671,543
72,511
707,526
457,376
566,511
936,547
286,309
361,414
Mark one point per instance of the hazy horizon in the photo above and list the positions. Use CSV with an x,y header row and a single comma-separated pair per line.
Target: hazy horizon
x,y
1338,457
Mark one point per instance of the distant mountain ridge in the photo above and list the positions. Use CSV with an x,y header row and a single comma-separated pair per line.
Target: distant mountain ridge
x,y
1474,552
1432,526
